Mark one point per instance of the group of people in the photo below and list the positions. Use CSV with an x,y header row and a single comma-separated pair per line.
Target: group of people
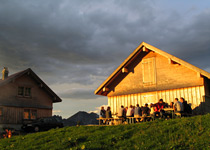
x,y
145,113
105,113
133,111
181,107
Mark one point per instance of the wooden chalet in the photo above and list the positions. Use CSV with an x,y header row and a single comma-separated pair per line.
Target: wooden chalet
x,y
150,74
24,97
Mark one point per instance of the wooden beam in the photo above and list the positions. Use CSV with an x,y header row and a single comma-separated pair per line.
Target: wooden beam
x,y
124,70
199,75
41,85
144,49
169,61
105,89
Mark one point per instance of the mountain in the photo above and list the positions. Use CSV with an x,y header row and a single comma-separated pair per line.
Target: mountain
x,y
81,118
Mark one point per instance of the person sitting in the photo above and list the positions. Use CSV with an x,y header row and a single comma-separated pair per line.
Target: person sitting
x,y
137,113
102,112
133,108
152,109
102,115
159,109
126,108
145,112
129,113
166,105
178,107
121,112
108,114
186,107
171,105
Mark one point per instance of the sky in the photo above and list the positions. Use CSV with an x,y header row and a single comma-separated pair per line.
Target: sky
x,y
74,45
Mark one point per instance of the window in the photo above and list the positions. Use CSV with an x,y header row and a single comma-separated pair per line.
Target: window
x,y
26,114
24,91
21,91
33,114
30,114
149,72
1,112
27,91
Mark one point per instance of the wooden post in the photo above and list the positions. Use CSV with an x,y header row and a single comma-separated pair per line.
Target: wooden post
x,y
144,49
169,61
199,74
105,89
124,70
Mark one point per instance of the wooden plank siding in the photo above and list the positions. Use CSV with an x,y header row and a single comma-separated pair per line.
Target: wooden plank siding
x,y
14,115
193,95
161,76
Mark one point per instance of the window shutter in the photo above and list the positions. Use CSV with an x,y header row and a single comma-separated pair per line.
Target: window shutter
x,y
149,71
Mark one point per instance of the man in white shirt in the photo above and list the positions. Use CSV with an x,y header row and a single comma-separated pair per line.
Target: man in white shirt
x,y
178,107
130,113
121,112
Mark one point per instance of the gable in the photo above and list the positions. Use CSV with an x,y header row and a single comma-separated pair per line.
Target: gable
x,y
160,75
38,97
184,73
29,73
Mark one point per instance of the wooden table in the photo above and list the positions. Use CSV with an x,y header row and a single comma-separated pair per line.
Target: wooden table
x,y
171,110
168,109
109,119
117,120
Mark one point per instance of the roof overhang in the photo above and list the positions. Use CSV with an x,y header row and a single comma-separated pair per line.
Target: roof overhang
x,y
145,48
39,81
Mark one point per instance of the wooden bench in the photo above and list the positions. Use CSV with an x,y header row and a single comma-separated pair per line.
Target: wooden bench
x,y
117,120
110,121
132,119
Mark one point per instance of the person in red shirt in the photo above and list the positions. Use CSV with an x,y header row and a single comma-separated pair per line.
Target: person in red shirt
x,y
158,107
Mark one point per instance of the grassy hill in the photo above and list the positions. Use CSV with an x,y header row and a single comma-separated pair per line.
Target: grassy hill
x,y
185,133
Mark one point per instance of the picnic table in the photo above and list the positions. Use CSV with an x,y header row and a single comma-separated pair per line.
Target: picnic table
x,y
132,120
114,120
117,120
170,111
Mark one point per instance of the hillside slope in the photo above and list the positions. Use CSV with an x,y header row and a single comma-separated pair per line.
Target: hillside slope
x,y
185,133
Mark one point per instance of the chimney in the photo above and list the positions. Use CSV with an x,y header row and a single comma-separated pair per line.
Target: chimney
x,y
5,73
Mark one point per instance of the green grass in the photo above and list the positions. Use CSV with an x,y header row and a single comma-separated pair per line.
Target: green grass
x,y
186,133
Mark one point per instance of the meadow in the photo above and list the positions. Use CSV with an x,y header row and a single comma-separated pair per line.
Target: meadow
x,y
177,134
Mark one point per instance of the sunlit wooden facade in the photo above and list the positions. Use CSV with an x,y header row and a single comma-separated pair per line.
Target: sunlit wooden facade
x,y
149,74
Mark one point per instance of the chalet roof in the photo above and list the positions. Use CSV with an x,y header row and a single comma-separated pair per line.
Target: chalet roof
x,y
144,47
36,78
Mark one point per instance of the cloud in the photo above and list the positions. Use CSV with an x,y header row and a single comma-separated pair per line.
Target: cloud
x,y
75,45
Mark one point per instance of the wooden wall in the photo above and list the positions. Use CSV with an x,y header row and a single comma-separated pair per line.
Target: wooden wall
x,y
168,75
9,94
193,95
14,115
